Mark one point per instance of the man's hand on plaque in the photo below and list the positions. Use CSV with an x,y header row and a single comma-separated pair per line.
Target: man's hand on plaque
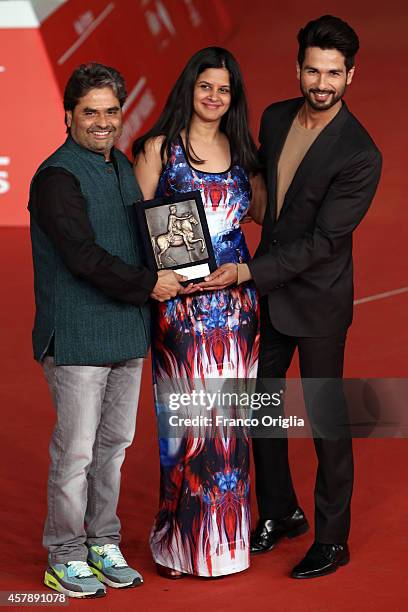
x,y
168,285
223,277
190,288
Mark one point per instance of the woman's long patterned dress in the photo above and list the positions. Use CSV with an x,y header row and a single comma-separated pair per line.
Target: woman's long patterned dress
x,y
203,522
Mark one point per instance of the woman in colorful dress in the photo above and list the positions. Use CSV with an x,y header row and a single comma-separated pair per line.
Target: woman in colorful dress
x,y
201,141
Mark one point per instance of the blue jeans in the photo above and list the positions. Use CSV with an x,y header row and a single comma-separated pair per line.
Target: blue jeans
x,y
96,417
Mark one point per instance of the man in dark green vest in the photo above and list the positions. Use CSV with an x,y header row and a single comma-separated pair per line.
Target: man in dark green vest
x,y
91,330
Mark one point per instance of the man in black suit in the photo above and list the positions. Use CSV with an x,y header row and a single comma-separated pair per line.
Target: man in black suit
x,y
322,170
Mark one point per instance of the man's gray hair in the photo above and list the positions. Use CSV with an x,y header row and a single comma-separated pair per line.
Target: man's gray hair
x,y
93,76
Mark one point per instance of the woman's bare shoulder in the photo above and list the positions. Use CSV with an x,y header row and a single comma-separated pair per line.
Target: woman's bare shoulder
x,y
154,144
151,152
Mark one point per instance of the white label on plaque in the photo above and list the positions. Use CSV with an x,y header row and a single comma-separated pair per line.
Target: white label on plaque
x,y
194,271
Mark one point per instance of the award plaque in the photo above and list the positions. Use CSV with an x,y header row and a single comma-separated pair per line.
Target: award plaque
x,y
175,235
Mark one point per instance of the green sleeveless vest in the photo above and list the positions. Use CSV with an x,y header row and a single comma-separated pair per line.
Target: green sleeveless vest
x,y
89,328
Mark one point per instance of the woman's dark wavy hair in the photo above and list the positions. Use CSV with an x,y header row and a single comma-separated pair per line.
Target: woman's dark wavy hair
x,y
178,110
328,32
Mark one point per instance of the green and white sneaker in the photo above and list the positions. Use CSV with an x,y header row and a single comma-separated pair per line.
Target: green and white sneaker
x,y
74,579
109,566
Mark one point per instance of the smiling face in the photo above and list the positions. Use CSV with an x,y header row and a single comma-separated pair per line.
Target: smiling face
x,y
96,121
323,77
212,94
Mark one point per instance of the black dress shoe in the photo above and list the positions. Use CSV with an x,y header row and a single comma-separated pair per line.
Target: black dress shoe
x,y
269,531
322,559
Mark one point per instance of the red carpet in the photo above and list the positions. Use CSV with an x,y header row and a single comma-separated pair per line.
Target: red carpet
x,y
375,580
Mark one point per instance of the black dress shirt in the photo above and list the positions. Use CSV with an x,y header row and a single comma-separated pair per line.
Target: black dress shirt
x,y
59,208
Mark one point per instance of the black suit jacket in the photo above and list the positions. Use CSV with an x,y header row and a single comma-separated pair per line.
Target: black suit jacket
x,y
304,260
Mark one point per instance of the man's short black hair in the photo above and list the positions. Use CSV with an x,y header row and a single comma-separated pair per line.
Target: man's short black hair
x,y
93,76
328,32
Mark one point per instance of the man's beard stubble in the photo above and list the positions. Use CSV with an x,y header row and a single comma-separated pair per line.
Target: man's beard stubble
x,y
327,105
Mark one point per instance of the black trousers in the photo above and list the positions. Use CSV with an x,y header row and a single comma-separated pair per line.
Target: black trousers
x,y
318,358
